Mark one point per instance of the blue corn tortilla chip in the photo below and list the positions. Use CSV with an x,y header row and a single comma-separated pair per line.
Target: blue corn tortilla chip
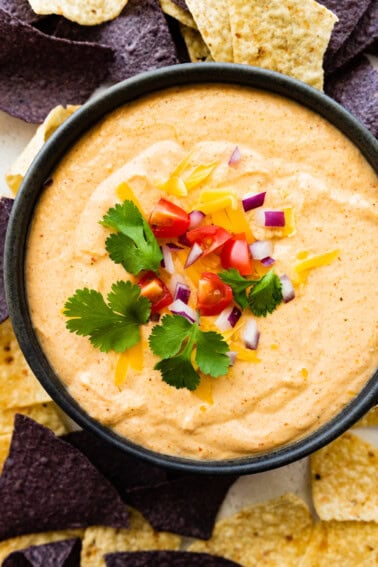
x,y
20,9
47,484
64,553
140,39
181,4
5,211
364,37
122,470
38,72
356,88
349,13
186,506
166,559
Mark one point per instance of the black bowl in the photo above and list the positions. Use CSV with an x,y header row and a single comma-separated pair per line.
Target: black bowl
x,y
27,198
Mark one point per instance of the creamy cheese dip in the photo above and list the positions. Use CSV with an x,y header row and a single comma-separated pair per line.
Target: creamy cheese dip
x,y
315,353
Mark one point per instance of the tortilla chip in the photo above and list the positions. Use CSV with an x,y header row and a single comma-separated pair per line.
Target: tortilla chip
x,y
51,123
213,22
197,48
5,441
98,540
18,385
64,553
165,559
47,414
370,419
47,484
348,13
288,36
5,211
139,38
175,11
345,480
182,4
38,72
271,533
21,542
342,544
121,469
362,38
84,12
356,87
20,9
187,506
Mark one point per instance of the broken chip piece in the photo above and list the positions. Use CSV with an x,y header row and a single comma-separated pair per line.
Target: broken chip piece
x,y
64,553
139,37
38,72
84,12
6,205
165,559
47,484
187,506
22,542
344,480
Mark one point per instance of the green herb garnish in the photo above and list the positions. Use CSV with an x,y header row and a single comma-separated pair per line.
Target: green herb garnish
x,y
112,326
264,295
174,341
134,244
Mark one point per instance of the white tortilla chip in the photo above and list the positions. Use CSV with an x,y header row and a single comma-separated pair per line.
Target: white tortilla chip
x,y
197,48
84,12
288,36
171,9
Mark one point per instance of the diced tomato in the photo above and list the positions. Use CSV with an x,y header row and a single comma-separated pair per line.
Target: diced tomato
x,y
209,237
213,295
155,290
168,220
236,254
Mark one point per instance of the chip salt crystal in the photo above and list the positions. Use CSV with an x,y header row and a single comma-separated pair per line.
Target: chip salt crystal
x,y
84,12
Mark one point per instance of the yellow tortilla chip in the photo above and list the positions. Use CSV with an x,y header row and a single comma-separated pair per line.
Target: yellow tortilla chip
x,y
288,36
84,12
5,441
213,22
197,48
140,536
171,9
16,543
46,414
272,533
342,544
345,480
370,419
18,385
52,121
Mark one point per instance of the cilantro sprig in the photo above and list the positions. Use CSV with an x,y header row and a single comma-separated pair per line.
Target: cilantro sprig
x,y
109,326
174,341
133,244
264,295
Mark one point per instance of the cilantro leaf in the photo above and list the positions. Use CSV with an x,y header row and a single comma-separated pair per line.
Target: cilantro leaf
x,y
134,244
174,340
238,284
265,295
109,327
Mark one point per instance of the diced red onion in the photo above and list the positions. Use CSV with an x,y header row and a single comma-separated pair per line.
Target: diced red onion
x,y
270,218
235,156
261,249
178,307
251,335
228,318
174,246
251,201
196,217
174,280
232,356
183,240
195,253
167,259
288,292
268,261
182,292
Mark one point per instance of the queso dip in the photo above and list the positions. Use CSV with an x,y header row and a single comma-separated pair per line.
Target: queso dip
x,y
315,353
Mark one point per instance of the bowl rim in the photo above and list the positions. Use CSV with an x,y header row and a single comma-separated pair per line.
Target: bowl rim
x,y
18,228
